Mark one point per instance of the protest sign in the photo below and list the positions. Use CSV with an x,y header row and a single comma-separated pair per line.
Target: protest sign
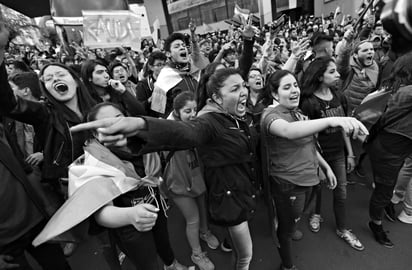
x,y
109,29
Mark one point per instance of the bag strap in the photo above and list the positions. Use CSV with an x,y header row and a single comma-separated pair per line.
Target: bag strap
x,y
265,161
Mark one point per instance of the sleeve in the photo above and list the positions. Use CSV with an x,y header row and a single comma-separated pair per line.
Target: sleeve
x,y
143,94
267,119
343,60
246,59
29,112
132,105
167,135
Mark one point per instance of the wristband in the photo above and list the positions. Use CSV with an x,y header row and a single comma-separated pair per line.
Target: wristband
x,y
351,156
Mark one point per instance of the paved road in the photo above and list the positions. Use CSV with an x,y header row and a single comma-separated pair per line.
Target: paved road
x,y
320,251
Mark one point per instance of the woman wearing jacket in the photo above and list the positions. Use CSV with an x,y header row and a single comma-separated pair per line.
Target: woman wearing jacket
x,y
226,146
293,160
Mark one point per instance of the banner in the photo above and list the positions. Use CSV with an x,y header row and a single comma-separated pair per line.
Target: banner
x,y
110,29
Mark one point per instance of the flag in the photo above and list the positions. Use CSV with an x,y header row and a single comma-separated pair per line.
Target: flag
x,y
94,182
337,12
343,20
242,12
167,79
156,28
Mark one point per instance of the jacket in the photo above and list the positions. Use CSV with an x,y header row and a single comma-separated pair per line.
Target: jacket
x,y
60,148
22,209
227,149
358,81
400,104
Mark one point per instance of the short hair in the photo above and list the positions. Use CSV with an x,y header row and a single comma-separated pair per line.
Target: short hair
x,y
173,37
21,65
318,38
115,64
27,79
181,99
358,44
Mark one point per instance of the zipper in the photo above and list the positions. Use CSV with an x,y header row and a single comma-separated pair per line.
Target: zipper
x,y
71,141
59,153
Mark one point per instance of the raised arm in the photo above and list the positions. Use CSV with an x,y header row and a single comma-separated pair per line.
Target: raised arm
x,y
343,57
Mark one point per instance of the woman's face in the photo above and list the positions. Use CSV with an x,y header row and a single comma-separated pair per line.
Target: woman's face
x,y
188,112
255,80
100,76
233,95
108,112
331,75
59,83
288,92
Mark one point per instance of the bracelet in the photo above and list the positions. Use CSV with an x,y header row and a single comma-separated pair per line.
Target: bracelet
x,y
351,156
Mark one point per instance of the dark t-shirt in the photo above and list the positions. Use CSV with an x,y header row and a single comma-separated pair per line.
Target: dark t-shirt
x,y
331,139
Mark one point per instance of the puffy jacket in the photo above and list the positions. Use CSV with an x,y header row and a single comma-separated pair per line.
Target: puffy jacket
x,y
358,81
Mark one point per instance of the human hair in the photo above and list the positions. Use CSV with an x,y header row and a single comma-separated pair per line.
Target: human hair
x,y
173,37
201,93
311,80
86,74
254,69
401,73
217,80
27,79
157,55
115,64
20,65
272,85
85,100
181,100
358,44
91,115
319,39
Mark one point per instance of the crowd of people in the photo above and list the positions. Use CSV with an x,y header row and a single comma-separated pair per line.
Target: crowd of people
x,y
207,123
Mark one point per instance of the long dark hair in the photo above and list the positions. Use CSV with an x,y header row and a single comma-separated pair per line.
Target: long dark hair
x,y
85,101
311,80
201,93
401,73
272,86
216,81
86,74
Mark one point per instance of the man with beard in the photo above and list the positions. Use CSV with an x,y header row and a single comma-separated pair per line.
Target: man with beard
x,y
359,72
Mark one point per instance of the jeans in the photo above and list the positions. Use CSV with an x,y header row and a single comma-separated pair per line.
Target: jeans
x,y
242,243
403,187
49,256
142,247
387,153
338,166
290,202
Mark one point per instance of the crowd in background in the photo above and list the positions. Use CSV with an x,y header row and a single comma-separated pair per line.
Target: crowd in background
x,y
251,112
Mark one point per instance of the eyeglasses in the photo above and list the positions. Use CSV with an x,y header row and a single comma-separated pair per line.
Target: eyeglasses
x,y
49,77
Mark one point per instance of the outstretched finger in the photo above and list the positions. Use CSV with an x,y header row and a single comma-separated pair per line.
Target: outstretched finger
x,y
102,123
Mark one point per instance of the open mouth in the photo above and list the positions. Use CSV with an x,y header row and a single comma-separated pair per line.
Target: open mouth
x,y
183,54
259,83
61,88
294,98
241,106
